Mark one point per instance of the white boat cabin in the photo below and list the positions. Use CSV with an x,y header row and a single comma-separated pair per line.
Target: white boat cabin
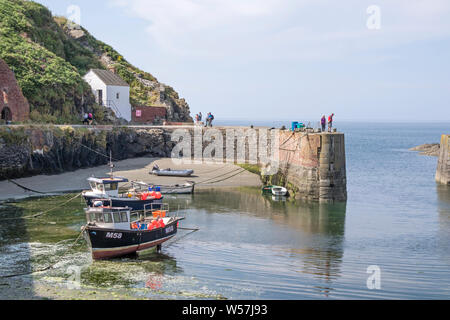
x,y
109,218
106,186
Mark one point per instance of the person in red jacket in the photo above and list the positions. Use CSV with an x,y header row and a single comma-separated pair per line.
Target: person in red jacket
x,y
330,122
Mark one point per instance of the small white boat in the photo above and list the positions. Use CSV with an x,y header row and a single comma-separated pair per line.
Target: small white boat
x,y
187,188
279,191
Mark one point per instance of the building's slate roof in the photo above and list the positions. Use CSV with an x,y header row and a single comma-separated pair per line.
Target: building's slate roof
x,y
109,78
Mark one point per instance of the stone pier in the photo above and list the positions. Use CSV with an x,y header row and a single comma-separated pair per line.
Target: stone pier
x,y
443,170
313,166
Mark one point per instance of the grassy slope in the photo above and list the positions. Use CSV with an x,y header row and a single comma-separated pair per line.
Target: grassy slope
x,y
53,86
49,64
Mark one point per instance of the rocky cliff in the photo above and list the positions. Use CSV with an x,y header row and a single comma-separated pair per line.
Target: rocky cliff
x,y
26,151
429,149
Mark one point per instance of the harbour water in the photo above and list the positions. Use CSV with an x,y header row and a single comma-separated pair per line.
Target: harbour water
x,y
252,247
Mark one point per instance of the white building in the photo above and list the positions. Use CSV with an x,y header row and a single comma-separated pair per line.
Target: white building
x,y
110,91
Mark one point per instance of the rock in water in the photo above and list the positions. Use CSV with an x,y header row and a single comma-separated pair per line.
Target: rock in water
x,y
430,149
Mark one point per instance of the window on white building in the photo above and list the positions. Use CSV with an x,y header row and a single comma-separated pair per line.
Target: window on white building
x,y
117,96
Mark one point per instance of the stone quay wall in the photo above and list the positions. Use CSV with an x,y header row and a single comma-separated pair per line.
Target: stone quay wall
x,y
311,165
443,169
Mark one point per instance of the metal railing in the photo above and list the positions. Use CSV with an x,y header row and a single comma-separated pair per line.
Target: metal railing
x,y
112,105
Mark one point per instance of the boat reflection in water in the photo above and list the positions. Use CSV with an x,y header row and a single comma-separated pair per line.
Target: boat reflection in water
x,y
281,240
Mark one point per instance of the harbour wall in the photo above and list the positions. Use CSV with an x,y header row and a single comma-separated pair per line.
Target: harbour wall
x,y
443,169
311,165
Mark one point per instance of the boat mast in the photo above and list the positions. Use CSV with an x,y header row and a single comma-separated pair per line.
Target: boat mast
x,y
111,165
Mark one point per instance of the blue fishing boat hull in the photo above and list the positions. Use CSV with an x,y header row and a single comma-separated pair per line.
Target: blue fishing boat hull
x,y
133,204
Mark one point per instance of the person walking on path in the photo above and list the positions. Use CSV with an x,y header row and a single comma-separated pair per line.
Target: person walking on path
x,y
85,119
90,118
200,117
330,122
197,117
323,122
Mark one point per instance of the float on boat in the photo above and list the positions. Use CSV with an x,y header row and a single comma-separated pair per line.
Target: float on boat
x,y
113,232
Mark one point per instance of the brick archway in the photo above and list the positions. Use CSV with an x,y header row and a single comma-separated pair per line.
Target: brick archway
x,y
6,114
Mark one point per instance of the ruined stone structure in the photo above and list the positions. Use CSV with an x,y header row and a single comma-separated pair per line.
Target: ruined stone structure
x,y
443,170
13,105
149,115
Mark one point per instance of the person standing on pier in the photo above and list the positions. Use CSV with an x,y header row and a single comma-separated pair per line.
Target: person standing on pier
x,y
330,122
323,121
210,119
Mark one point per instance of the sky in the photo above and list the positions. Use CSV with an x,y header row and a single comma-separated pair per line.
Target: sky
x,y
384,60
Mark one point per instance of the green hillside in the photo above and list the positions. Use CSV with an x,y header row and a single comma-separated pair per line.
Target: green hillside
x,y
49,59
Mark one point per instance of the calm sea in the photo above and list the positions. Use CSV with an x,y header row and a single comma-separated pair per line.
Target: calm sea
x,y
389,241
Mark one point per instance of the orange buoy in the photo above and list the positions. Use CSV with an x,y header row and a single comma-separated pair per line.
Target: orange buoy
x,y
156,214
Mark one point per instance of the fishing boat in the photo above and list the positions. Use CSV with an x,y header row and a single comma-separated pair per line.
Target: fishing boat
x,y
108,188
113,232
187,188
171,173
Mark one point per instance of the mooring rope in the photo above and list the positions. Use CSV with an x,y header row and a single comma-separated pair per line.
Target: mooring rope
x,y
184,236
225,174
28,189
99,153
227,178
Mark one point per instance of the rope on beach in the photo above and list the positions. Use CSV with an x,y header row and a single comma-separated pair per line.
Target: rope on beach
x,y
219,176
48,267
28,189
44,212
227,178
